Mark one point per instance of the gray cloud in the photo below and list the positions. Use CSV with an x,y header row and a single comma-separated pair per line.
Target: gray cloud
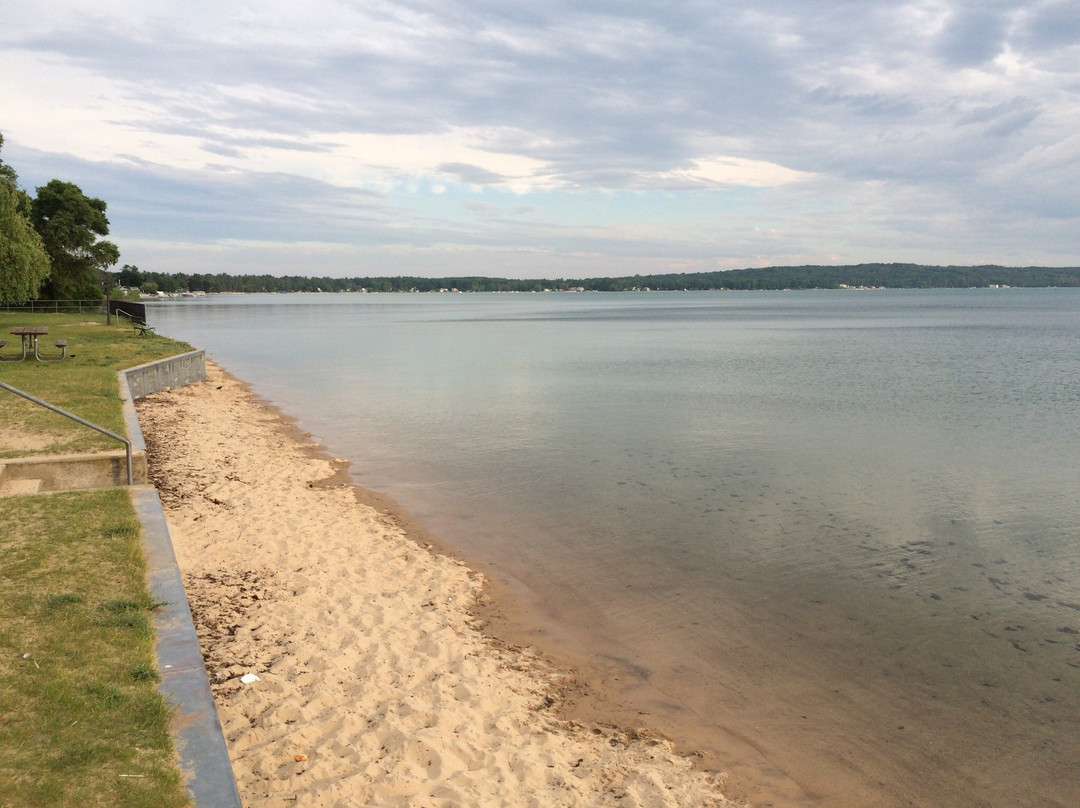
x,y
1049,27
974,35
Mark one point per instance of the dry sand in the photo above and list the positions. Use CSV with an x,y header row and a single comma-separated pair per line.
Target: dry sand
x,y
377,684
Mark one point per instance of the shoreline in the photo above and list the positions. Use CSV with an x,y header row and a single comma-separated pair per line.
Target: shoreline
x,y
389,670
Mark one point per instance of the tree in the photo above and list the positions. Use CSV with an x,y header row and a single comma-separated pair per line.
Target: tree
x,y
129,276
24,264
69,223
7,173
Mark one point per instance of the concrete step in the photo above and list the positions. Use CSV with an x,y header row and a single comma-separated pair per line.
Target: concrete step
x,y
14,488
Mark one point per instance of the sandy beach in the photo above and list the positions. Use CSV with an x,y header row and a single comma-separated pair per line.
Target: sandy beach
x,y
377,684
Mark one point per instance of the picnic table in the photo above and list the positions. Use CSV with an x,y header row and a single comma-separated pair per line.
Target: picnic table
x,y
29,335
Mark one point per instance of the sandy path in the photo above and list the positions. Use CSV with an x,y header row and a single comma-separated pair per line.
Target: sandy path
x,y
372,669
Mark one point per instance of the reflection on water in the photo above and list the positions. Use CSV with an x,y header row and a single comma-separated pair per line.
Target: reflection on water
x,y
841,525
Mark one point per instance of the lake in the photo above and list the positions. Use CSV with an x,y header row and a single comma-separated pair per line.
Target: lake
x,y
829,538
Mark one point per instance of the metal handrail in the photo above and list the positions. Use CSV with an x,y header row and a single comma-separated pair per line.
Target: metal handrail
x,y
83,421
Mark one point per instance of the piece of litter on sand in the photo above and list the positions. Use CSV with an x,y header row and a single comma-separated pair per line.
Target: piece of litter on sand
x,y
248,678
301,758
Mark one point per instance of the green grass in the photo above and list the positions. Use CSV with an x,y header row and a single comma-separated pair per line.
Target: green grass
x,y
81,721
84,384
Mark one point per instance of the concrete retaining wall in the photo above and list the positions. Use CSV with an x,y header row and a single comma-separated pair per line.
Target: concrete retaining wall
x,y
69,472
200,743
176,371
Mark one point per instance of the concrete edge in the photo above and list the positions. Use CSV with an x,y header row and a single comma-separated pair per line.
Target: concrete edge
x,y
200,742
196,730
131,418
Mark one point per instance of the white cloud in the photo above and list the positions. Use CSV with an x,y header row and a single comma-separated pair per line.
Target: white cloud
x,y
727,171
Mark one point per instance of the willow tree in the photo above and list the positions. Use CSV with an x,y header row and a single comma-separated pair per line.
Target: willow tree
x,y
24,265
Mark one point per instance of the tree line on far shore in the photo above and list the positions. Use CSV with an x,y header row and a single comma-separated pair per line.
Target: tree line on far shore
x,y
889,276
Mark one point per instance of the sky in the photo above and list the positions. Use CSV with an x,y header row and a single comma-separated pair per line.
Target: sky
x,y
562,139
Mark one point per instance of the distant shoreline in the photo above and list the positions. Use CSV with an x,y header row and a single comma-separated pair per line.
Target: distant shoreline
x,y
793,278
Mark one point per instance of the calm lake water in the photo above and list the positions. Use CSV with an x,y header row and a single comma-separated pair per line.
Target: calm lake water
x,y
831,537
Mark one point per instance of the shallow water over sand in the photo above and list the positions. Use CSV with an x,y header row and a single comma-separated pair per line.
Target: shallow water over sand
x,y
839,526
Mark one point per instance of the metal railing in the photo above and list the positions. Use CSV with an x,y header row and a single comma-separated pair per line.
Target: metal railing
x,y
59,306
83,421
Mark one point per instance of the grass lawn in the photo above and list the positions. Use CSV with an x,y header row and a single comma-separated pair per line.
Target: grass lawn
x,y
84,384
81,720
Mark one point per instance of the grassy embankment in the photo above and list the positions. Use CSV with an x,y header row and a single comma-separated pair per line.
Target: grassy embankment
x,y
81,721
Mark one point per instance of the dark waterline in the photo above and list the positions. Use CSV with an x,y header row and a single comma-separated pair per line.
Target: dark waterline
x,y
842,526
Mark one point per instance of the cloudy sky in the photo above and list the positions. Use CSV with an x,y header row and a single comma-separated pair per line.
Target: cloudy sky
x,y
565,138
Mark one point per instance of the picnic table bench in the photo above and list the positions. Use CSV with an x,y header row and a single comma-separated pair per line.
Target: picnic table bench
x,y
29,335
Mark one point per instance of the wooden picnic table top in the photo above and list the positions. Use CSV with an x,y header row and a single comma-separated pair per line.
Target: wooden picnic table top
x,y
30,330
